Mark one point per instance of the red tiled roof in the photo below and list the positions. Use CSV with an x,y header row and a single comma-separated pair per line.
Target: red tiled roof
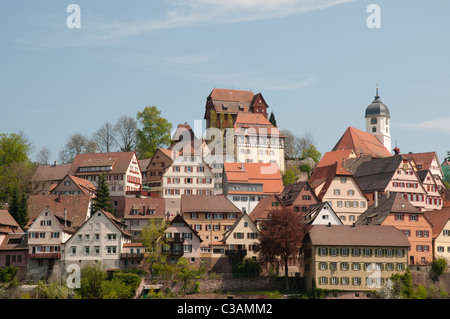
x,y
362,143
336,156
256,123
267,174
231,95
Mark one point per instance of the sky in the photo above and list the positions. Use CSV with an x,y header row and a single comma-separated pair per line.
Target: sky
x,y
316,62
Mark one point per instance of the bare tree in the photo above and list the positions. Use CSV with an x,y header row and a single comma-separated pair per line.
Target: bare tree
x,y
43,157
295,146
125,130
77,144
105,137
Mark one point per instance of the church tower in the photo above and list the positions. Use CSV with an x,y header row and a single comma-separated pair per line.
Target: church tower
x,y
378,121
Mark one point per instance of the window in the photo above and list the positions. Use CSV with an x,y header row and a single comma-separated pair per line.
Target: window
x,y
351,192
86,249
337,192
111,249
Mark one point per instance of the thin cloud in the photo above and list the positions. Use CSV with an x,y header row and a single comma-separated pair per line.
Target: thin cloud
x,y
183,14
440,125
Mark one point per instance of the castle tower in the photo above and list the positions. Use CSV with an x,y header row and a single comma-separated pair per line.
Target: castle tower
x,y
378,121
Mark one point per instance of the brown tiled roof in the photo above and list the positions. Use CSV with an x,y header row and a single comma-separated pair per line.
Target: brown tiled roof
x,y
360,235
23,245
257,123
207,203
156,203
387,204
326,174
423,159
120,161
362,143
292,191
121,226
46,173
7,220
438,219
231,95
77,206
264,207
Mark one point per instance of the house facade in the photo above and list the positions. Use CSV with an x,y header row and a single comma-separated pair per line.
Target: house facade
x,y
242,239
71,185
337,186
299,196
393,209
182,241
99,240
440,221
122,170
245,184
357,259
46,237
322,214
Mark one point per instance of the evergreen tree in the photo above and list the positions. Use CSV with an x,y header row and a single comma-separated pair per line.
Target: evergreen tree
x,y
18,207
272,119
103,197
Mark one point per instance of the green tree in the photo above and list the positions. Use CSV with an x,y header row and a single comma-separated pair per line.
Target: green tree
x,y
153,132
213,119
439,266
312,152
14,148
121,286
289,177
102,200
403,285
222,121
18,207
91,282
152,237
272,119
230,121
186,273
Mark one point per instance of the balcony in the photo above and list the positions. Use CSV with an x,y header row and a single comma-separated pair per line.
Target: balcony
x,y
132,255
44,255
173,252
236,252
175,240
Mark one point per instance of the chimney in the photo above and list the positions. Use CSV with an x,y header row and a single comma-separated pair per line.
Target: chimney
x,y
354,225
329,225
65,217
143,210
388,194
376,198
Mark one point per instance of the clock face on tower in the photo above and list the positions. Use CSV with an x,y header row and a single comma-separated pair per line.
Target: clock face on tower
x,y
373,120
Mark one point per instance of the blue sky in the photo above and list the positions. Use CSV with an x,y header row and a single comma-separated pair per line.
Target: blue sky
x,y
316,63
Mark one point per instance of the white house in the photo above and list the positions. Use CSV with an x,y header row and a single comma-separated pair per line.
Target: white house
x,y
99,240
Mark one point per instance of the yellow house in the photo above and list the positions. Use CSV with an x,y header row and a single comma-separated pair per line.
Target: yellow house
x,y
357,259
440,222
242,239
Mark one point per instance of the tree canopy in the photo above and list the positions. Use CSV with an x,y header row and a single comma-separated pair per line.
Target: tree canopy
x,y
281,237
102,200
153,132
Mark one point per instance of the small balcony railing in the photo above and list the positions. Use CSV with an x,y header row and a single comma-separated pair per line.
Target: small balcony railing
x,y
45,255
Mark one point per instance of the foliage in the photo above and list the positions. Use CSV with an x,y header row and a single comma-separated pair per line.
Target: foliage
x,y
439,265
91,283
152,238
8,274
247,266
186,273
213,119
102,200
272,119
222,121
77,144
289,176
53,290
122,286
105,138
154,132
312,152
14,148
16,175
125,133
281,236
230,121
403,285
18,207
